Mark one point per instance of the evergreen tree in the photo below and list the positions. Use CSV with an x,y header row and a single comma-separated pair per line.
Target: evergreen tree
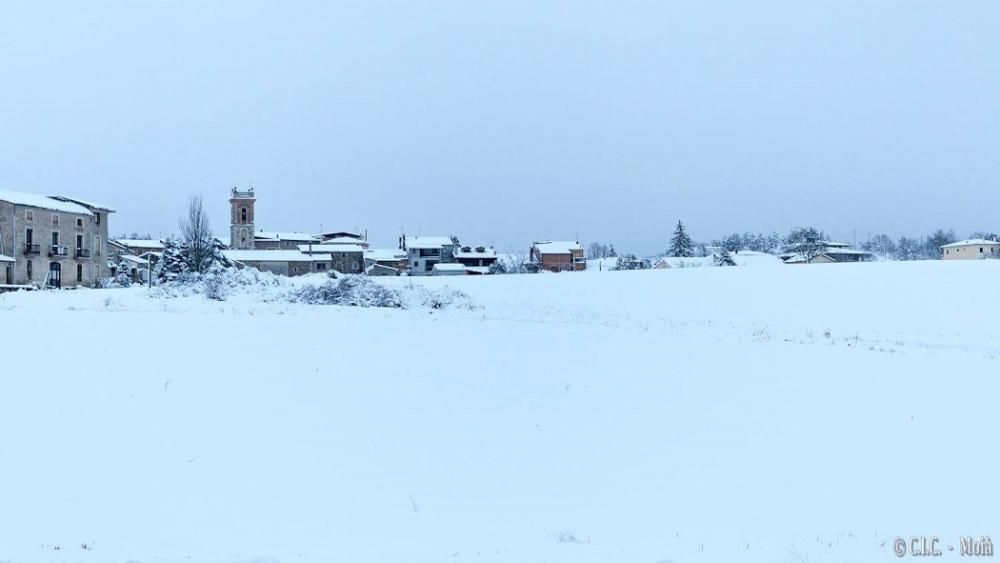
x,y
173,263
723,258
680,244
807,242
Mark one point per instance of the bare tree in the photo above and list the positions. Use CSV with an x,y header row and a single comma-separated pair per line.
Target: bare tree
x,y
197,235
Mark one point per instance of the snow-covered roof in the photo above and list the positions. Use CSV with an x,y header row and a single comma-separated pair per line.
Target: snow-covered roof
x,y
557,246
343,240
134,259
139,243
289,236
5,258
272,256
428,242
331,248
42,202
478,269
970,242
385,254
845,251
84,203
449,267
474,252
377,266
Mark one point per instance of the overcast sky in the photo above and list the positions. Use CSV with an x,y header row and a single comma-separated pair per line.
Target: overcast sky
x,y
505,122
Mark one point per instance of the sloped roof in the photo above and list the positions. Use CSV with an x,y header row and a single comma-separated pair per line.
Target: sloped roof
x,y
42,202
473,253
289,236
5,258
428,242
272,256
557,246
139,243
330,248
970,242
84,203
385,254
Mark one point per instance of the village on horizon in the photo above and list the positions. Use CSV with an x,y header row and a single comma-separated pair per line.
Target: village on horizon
x,y
62,241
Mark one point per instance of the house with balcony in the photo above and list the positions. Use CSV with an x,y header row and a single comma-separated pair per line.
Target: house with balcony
x,y
52,241
476,259
422,253
558,256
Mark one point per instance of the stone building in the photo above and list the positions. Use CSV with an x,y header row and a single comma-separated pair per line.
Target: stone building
x,y
53,241
241,224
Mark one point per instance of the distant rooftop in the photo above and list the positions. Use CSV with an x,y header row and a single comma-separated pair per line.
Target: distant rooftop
x,y
43,202
557,246
970,242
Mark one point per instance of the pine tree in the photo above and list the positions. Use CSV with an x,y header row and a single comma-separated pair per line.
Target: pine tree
x,y
173,263
723,258
680,244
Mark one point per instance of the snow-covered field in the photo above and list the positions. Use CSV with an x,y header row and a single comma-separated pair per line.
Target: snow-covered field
x,y
787,414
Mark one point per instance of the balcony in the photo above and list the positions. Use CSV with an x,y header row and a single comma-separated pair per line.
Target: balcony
x,y
83,253
58,251
30,249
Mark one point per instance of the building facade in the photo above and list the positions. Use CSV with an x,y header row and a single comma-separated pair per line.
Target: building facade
x,y
52,241
422,253
974,249
241,228
558,256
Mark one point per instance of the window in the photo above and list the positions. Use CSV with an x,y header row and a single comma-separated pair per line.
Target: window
x,y
55,220
980,250
55,238
29,270
79,223
79,242
97,246
97,218
79,273
29,215
243,214
320,266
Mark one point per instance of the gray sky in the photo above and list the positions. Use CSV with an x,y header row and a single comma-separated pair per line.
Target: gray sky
x,y
510,121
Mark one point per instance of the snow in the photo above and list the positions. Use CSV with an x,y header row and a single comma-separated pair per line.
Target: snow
x,y
473,253
85,203
289,236
428,242
272,256
742,258
697,415
557,247
439,267
971,242
5,258
343,240
385,254
42,202
330,248
140,243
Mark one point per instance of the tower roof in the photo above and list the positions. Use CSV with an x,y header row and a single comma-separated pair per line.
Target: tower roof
x,y
243,194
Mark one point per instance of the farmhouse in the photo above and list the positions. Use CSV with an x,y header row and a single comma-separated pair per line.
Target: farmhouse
x,y
974,249
558,256
55,241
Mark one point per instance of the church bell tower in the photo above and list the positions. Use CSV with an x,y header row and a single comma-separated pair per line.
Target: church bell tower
x,y
241,229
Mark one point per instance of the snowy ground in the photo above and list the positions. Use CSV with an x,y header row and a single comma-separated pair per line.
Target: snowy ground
x,y
790,414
